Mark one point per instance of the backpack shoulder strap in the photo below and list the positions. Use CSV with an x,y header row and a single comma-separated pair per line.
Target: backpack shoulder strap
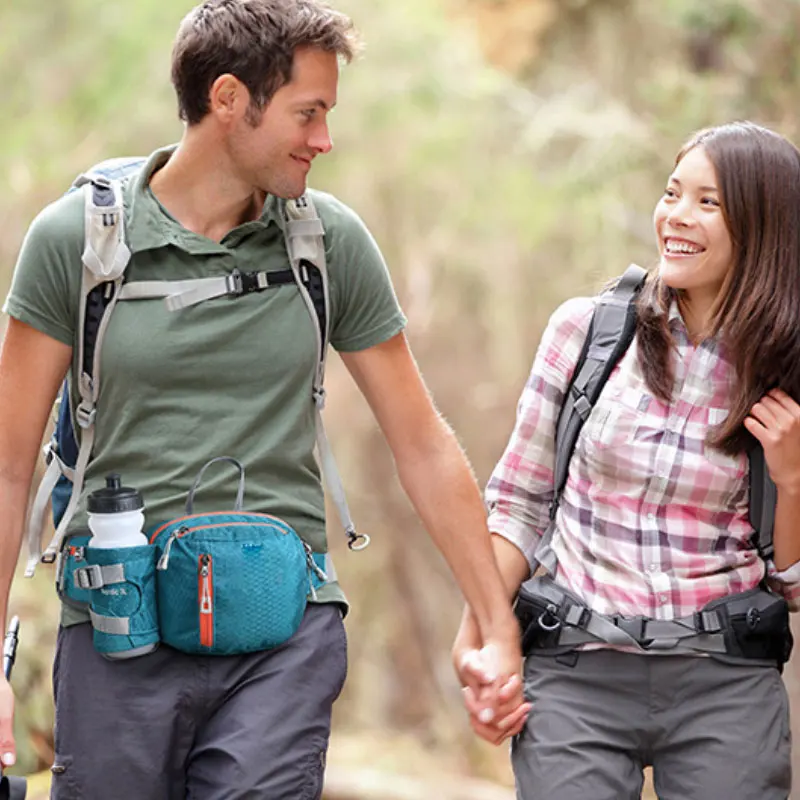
x,y
763,497
610,333
305,244
104,259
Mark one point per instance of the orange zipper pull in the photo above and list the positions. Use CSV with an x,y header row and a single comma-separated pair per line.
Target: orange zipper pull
x,y
206,600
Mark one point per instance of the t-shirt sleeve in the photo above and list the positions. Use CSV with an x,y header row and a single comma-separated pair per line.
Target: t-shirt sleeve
x,y
45,286
364,307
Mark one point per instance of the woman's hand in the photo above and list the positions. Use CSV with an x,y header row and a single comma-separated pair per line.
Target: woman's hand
x,y
775,421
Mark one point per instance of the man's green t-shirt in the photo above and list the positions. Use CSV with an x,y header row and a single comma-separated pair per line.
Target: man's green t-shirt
x,y
227,377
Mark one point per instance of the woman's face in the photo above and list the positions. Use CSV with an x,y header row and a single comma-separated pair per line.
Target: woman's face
x,y
693,240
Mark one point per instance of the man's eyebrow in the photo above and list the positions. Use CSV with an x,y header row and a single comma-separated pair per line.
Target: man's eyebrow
x,y
317,103
702,188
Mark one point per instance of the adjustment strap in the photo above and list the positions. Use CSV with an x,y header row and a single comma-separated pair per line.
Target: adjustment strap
x,y
95,576
116,625
191,292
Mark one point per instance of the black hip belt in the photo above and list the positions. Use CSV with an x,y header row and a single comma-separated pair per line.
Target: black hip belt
x,y
749,625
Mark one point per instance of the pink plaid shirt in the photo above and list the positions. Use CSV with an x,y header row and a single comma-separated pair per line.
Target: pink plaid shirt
x,y
652,520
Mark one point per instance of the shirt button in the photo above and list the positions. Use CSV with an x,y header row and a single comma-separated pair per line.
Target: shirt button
x,y
663,598
651,516
653,568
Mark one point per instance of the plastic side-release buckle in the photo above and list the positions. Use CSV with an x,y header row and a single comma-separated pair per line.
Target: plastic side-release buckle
x,y
633,626
85,416
239,283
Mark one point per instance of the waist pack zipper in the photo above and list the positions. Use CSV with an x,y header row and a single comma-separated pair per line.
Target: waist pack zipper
x,y
205,597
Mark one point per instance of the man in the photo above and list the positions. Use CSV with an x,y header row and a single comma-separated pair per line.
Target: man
x,y
255,81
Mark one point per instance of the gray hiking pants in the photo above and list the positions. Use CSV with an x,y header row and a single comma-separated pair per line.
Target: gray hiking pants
x,y
171,726
711,731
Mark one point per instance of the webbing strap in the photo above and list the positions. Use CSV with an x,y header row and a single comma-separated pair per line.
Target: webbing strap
x,y
305,244
610,333
763,497
36,516
96,576
580,625
115,625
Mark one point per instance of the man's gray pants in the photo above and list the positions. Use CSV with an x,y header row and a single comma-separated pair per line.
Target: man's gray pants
x,y
171,726
711,731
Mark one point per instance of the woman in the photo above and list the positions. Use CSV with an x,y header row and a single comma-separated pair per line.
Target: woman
x,y
653,521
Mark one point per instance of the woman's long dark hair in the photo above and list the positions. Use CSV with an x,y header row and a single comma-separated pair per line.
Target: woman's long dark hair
x,y
757,313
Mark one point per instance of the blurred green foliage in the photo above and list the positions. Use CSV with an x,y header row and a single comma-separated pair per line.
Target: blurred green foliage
x,y
496,190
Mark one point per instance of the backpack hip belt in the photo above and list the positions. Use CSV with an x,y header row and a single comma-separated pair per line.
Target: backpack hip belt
x,y
751,625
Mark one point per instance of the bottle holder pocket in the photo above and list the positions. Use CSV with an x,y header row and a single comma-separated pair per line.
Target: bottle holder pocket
x,y
121,584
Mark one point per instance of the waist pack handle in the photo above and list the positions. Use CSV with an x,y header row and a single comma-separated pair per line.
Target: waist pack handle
x,y
239,504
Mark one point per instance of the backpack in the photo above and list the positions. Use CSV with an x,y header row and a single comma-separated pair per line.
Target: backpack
x,y
610,333
105,258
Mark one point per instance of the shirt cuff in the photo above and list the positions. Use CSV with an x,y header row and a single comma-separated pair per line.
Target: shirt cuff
x,y
789,575
518,533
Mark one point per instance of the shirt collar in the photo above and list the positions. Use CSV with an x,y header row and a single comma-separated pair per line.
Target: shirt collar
x,y
150,226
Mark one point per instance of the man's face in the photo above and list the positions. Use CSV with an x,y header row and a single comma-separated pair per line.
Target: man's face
x,y
274,152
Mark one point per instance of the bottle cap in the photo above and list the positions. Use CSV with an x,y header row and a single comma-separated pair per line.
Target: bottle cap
x,y
114,498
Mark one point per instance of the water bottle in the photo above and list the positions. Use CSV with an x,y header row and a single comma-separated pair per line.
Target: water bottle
x,y
115,515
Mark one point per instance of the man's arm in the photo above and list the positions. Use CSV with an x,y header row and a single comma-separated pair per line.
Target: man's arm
x,y
32,366
434,472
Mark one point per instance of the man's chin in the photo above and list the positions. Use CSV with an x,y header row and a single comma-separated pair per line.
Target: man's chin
x,y
289,192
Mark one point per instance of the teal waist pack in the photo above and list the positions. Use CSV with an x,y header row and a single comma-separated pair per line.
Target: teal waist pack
x,y
219,583
231,581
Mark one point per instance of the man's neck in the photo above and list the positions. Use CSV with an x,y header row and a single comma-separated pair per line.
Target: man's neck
x,y
199,188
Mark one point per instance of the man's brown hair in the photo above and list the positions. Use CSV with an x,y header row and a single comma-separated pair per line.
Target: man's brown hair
x,y
253,40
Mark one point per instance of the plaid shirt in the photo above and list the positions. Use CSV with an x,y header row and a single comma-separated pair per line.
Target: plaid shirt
x,y
652,521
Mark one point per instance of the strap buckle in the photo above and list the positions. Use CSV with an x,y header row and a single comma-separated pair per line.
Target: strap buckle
x,y
706,622
239,283
633,626
89,577
85,416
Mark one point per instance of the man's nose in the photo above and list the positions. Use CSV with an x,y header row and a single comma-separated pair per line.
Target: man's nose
x,y
321,140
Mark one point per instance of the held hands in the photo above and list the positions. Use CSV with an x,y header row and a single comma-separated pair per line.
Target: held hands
x,y
492,686
775,421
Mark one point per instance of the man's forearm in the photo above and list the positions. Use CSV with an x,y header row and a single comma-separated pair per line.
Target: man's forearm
x,y
13,502
444,493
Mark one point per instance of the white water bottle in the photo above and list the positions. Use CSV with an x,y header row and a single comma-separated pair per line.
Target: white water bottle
x,y
115,515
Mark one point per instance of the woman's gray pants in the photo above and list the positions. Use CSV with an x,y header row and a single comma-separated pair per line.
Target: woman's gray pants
x,y
711,731
171,726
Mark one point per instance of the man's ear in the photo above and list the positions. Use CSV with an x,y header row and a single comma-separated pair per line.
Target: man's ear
x,y
228,98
